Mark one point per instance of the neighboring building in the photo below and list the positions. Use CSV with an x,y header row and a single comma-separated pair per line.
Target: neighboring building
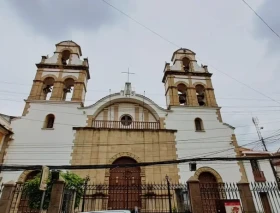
x,y
258,171
5,136
276,163
57,129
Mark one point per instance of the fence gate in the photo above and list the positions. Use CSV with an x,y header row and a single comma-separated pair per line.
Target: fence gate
x,y
212,195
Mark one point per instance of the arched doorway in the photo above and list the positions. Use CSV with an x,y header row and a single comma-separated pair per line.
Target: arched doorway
x,y
124,185
209,188
24,201
207,177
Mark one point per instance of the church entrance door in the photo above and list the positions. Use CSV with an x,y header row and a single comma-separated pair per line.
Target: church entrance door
x,y
209,189
125,186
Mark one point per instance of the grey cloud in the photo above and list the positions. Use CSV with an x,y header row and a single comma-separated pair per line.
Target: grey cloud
x,y
53,18
269,11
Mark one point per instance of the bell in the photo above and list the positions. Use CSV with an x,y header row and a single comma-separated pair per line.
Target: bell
x,y
182,98
67,90
186,68
64,62
201,103
47,89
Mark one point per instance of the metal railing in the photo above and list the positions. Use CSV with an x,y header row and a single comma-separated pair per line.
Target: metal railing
x,y
266,196
149,198
120,125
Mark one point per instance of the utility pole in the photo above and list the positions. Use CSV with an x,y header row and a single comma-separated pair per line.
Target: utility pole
x,y
256,123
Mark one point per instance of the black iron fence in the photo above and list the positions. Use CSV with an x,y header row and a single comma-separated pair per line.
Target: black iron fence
x,y
147,198
152,198
69,200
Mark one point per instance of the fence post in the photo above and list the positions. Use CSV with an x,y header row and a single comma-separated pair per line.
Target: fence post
x,y
7,197
246,197
73,202
56,198
195,195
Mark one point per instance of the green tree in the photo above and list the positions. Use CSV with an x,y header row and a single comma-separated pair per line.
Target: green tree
x,y
34,195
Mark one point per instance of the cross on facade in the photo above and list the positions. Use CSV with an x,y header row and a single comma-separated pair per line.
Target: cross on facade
x,y
128,73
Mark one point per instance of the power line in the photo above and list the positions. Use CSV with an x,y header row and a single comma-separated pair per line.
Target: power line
x,y
178,130
261,18
179,47
143,164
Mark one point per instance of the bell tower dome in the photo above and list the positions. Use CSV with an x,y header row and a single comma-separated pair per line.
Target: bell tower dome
x,y
187,83
61,77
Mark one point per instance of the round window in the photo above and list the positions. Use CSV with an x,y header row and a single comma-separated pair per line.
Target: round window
x,y
126,120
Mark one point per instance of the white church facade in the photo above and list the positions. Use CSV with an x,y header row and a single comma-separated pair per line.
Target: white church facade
x,y
124,127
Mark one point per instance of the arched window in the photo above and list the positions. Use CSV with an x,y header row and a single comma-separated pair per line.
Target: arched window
x,y
47,88
186,64
200,94
49,121
65,57
182,94
126,120
68,89
198,124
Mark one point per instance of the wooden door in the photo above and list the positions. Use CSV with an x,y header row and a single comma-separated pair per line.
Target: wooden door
x,y
209,192
125,186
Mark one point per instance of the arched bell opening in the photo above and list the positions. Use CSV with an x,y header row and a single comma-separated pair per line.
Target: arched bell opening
x,y
68,89
48,88
200,94
182,94
186,64
65,57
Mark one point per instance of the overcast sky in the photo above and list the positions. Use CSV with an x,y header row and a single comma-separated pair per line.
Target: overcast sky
x,y
226,35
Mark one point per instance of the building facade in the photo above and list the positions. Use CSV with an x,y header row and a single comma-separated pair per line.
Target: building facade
x,y
122,128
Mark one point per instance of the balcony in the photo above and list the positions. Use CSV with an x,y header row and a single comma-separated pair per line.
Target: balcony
x,y
120,125
259,176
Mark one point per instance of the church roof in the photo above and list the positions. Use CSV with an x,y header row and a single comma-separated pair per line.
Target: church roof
x,y
70,43
182,50
121,98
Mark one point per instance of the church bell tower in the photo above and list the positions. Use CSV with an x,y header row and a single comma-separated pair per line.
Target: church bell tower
x,y
187,83
61,77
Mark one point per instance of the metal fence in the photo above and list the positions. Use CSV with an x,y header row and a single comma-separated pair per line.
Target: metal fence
x,y
69,199
148,198
20,202
266,197
213,195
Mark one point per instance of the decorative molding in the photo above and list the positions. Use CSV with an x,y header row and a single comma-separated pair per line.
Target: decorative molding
x,y
210,170
23,176
124,154
167,73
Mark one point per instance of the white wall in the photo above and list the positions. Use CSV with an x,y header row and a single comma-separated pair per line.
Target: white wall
x,y
264,166
34,145
216,138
